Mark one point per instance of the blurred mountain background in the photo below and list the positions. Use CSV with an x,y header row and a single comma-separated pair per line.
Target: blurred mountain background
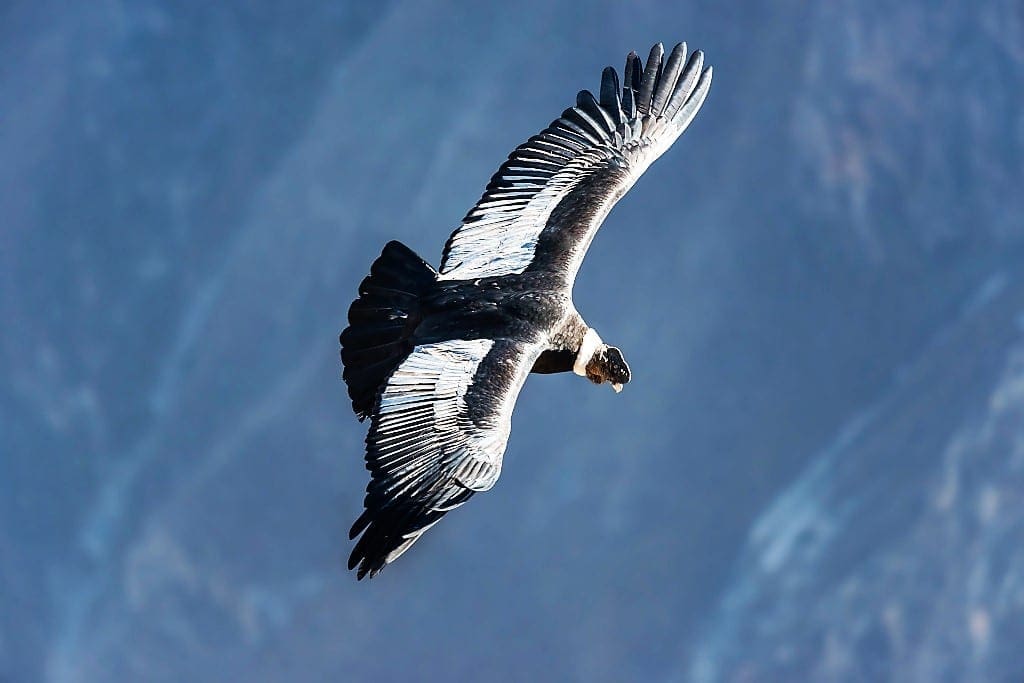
x,y
817,472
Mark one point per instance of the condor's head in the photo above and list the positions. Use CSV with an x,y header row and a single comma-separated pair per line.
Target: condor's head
x,y
601,363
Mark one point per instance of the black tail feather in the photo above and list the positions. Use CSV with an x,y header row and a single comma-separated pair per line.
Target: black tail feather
x,y
381,322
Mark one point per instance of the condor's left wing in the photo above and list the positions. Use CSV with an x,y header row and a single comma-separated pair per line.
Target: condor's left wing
x,y
437,435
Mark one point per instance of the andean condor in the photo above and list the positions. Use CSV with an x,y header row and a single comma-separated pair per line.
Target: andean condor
x,y
436,359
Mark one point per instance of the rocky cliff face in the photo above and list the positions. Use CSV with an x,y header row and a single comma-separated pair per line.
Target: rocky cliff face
x,y
894,555
819,289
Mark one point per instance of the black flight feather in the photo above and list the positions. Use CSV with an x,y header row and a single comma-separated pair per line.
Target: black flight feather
x,y
650,78
668,79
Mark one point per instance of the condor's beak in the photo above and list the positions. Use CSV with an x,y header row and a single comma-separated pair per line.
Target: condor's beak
x,y
617,387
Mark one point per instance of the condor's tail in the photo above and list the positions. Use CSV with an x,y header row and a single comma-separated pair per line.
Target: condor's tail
x,y
381,322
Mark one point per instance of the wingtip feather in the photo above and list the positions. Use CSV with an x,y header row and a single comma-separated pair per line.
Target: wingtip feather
x,y
696,99
652,72
667,82
632,72
610,95
687,84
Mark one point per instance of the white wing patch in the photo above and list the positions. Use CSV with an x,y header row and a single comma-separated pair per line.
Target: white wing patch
x,y
426,397
499,236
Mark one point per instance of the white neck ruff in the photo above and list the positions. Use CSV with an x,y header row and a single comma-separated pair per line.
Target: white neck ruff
x,y
591,343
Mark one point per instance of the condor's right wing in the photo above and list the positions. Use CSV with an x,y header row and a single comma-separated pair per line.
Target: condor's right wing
x,y
544,205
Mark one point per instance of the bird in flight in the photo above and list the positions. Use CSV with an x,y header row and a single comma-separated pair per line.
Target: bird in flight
x,y
436,358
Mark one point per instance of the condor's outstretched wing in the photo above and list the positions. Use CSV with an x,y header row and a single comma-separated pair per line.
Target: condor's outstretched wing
x,y
437,436
543,206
